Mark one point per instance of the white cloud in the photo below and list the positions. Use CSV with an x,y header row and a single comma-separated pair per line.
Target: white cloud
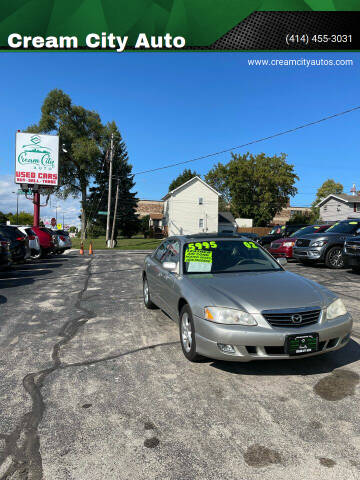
x,y
69,207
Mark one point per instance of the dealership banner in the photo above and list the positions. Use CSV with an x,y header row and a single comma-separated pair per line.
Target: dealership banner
x,y
173,25
36,159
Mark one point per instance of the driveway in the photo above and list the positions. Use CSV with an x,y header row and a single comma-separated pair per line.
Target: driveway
x,y
95,386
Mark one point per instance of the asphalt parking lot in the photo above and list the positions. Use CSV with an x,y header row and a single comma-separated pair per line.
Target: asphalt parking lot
x,y
95,386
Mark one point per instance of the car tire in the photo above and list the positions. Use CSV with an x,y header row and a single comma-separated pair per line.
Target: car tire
x,y
187,335
356,269
37,255
59,252
146,294
334,258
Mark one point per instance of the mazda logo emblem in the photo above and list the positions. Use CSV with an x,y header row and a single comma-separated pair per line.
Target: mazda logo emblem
x,y
296,318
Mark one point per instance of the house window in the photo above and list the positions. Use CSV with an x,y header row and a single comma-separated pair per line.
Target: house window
x,y
325,208
339,208
356,207
201,201
201,222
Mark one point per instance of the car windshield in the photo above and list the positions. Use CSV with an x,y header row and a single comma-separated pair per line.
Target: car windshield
x,y
345,227
276,230
226,256
307,230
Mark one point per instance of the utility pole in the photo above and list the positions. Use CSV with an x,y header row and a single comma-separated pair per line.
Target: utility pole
x,y
115,213
108,243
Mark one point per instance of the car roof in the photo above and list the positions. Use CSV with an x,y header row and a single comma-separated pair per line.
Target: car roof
x,y
209,236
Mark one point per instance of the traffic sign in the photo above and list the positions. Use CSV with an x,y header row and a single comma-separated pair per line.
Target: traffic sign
x,y
102,213
59,226
20,192
53,222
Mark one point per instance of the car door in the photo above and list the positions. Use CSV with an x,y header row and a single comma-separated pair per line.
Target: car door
x,y
154,272
168,288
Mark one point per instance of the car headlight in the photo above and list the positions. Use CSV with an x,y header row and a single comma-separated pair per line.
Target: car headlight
x,y
319,243
228,316
288,244
335,309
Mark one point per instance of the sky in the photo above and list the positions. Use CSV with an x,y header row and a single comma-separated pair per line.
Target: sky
x,y
172,107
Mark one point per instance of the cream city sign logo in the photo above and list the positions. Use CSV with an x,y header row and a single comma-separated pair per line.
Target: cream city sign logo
x,y
35,154
296,318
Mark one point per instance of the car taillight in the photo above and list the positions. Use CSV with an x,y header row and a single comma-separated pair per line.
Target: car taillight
x,y
62,238
20,238
4,244
31,237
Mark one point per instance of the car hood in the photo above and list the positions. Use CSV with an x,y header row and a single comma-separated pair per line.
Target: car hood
x,y
285,239
257,291
318,236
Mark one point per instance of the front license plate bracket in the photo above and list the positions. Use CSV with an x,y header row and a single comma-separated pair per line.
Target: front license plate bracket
x,y
302,344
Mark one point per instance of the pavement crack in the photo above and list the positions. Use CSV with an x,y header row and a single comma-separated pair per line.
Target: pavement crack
x,y
22,445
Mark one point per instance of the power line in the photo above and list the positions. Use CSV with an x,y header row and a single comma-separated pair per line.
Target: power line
x,y
284,132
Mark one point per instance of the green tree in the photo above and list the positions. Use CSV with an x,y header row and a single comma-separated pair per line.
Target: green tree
x,y
257,186
81,135
217,178
23,218
185,176
144,224
308,218
4,217
127,222
328,187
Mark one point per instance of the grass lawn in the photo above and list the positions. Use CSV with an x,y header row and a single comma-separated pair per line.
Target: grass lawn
x,y
134,243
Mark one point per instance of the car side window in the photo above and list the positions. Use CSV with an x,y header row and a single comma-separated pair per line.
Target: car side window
x,y
173,252
161,251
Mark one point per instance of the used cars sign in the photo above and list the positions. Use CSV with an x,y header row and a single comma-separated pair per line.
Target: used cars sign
x,y
36,159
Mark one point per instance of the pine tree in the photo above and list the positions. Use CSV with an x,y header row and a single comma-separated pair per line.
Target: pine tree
x,y
127,222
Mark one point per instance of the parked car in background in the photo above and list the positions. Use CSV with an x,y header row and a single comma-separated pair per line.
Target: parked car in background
x,y
5,258
252,236
234,302
18,242
46,239
328,246
33,241
279,231
63,241
283,247
352,253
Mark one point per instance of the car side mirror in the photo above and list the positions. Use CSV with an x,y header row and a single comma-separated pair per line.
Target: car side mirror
x,y
282,261
172,267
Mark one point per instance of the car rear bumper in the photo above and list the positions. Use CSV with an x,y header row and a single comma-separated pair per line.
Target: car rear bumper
x,y
258,343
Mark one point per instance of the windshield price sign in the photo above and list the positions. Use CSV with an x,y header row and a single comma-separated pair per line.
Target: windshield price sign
x,y
36,159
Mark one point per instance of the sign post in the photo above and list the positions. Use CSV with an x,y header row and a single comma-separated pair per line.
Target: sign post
x,y
36,164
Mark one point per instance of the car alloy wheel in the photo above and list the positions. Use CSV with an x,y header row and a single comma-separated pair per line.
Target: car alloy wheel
x,y
186,332
146,294
336,259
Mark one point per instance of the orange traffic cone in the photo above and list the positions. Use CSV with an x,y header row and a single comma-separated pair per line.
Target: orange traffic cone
x,y
82,248
91,252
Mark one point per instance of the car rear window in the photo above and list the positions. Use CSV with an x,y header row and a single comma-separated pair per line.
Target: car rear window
x,y
11,232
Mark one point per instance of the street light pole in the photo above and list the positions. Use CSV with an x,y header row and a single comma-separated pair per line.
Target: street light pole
x,y
108,242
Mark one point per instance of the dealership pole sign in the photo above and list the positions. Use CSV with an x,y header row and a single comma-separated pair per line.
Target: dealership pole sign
x,y
37,159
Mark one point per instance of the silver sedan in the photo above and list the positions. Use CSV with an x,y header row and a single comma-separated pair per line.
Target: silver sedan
x,y
233,301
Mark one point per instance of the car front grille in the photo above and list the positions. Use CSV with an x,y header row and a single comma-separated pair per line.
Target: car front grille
x,y
291,319
302,242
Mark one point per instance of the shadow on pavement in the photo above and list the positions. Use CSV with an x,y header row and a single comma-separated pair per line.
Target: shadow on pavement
x,y
325,363
2,299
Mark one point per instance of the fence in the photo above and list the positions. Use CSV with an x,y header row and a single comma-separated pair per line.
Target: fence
x,y
259,230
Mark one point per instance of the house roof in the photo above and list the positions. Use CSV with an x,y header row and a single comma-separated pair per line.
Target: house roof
x,y
156,216
188,182
226,217
340,196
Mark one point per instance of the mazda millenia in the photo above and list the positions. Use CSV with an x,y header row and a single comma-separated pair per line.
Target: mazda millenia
x,y
233,301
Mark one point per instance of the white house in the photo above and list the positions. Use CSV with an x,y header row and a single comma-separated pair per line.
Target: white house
x,y
191,208
339,206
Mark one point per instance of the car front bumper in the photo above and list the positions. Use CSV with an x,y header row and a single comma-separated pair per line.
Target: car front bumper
x,y
352,260
285,252
259,343
308,253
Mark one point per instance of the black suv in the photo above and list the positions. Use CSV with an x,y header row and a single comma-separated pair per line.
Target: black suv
x,y
352,253
17,242
279,231
327,247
